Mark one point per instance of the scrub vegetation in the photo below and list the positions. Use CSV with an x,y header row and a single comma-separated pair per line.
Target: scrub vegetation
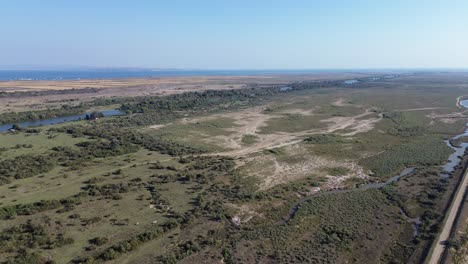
x,y
261,174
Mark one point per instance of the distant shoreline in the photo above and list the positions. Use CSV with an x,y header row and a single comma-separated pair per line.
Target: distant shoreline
x,y
70,75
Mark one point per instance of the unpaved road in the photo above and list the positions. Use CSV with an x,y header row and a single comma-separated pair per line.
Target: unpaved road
x,y
450,221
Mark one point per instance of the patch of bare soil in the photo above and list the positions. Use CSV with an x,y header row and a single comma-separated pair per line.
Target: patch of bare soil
x,y
273,170
447,118
244,213
418,109
282,139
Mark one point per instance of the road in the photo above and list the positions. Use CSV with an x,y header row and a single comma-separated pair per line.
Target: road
x,y
439,247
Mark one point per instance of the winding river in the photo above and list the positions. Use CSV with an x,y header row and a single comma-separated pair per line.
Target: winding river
x,y
453,160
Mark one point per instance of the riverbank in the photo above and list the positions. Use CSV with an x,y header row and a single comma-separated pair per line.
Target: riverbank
x,y
61,119
453,210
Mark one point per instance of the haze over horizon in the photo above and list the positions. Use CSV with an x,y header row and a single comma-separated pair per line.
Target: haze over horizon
x,y
241,35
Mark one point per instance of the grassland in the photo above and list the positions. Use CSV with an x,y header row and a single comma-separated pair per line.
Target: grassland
x,y
253,175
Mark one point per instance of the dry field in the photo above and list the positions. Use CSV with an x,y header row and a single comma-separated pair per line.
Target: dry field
x,y
138,87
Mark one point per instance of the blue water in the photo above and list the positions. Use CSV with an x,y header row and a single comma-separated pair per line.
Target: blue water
x,y
464,103
6,75
58,120
351,81
455,157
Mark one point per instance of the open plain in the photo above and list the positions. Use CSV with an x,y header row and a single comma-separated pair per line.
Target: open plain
x,y
248,169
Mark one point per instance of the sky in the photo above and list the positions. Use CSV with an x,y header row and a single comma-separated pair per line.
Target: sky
x,y
237,34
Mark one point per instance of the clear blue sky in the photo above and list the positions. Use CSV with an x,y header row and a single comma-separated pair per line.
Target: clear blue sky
x,y
237,34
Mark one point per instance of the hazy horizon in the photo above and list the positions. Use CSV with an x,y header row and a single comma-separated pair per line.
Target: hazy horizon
x,y
254,35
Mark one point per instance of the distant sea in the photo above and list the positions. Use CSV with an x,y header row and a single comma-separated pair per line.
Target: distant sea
x,y
8,75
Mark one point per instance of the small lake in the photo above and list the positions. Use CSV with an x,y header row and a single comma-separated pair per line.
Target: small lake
x,y
59,120
464,103
351,81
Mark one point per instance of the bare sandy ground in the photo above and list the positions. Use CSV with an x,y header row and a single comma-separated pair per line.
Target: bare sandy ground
x,y
140,87
268,168
272,171
168,81
250,122
255,120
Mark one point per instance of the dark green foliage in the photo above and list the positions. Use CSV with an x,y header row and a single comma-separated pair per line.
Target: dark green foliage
x,y
10,212
109,191
99,241
65,110
28,257
31,235
116,250
183,250
323,228
94,115
423,152
125,137
405,124
413,131
18,94
338,171
324,139
25,166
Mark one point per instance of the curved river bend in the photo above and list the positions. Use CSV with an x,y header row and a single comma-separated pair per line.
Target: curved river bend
x,y
453,160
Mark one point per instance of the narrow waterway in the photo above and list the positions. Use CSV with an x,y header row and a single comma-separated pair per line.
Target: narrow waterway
x,y
59,120
453,160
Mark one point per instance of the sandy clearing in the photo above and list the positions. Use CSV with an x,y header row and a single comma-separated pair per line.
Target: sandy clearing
x,y
271,170
339,102
168,81
244,213
155,127
447,118
281,139
363,126
249,121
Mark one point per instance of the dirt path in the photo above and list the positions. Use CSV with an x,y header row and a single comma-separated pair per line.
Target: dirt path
x,y
277,140
417,109
449,222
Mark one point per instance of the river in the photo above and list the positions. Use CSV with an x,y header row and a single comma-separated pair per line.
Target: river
x,y
59,120
453,160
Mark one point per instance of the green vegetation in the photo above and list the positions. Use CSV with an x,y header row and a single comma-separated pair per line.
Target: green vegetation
x,y
118,190
426,151
338,171
249,139
292,123
324,139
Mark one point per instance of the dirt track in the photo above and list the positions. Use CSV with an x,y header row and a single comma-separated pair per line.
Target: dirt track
x,y
286,139
450,220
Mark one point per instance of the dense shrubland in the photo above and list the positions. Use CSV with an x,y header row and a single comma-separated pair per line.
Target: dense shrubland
x,y
426,151
64,110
